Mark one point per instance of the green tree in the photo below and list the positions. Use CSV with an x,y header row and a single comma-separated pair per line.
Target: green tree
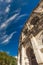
x,y
5,59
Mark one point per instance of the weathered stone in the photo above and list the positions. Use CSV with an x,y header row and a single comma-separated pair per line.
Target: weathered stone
x,y
31,39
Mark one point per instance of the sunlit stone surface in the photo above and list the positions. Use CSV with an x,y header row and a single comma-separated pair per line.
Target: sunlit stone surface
x,y
30,51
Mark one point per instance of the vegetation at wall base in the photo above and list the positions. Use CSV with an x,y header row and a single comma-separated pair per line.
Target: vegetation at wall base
x,y
6,59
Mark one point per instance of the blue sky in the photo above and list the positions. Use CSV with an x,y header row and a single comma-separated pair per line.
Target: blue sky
x,y
13,15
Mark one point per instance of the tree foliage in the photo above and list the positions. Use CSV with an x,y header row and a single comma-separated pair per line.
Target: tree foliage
x,y
5,59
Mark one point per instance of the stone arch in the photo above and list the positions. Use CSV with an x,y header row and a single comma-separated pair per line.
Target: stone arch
x,y
31,31
29,39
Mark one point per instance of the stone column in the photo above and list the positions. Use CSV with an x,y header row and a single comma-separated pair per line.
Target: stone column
x,y
37,52
18,58
26,60
23,55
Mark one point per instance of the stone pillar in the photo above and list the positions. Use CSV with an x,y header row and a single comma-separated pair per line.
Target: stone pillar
x,y
23,55
36,49
18,58
26,60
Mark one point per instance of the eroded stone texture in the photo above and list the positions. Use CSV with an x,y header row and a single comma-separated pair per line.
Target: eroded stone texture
x,y
30,50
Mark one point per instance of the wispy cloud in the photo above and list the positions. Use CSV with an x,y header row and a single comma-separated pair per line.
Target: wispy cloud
x,y
1,0
7,9
23,15
5,24
17,10
8,38
4,37
8,1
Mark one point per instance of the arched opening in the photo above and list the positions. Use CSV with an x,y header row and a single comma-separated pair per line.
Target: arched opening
x,y
31,56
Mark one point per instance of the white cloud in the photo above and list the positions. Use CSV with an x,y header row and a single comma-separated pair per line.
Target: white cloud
x,y
23,15
8,38
4,37
7,9
18,10
5,24
8,1
1,0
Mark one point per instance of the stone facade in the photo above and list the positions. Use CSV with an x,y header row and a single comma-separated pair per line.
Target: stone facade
x,y
30,51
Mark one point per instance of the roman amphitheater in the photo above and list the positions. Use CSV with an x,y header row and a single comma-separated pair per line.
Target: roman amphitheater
x,y
30,50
